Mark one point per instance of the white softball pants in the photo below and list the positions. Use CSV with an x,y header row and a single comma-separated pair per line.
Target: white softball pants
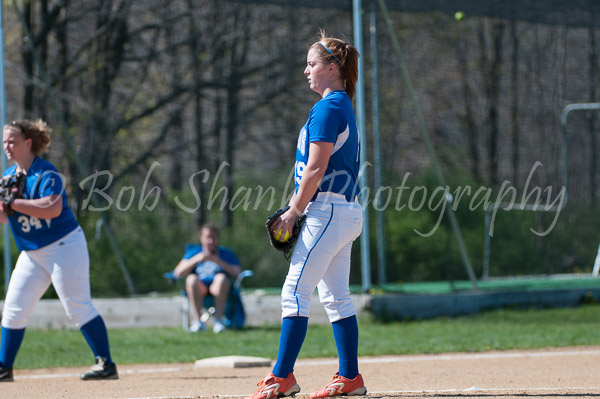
x,y
321,258
64,263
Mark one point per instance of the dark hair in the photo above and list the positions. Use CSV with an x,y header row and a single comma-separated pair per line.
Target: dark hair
x,y
38,131
344,55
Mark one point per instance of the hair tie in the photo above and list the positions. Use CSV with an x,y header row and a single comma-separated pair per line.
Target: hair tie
x,y
330,52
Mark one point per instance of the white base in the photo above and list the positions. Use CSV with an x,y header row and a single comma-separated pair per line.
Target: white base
x,y
233,362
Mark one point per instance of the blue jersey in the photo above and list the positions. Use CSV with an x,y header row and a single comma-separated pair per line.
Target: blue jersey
x,y
332,120
30,232
209,268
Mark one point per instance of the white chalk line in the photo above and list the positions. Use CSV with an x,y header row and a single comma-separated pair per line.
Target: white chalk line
x,y
477,389
369,360
127,371
458,356
423,391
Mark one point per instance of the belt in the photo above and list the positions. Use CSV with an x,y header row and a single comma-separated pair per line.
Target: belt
x,y
325,194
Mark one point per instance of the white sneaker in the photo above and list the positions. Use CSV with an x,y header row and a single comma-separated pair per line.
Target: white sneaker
x,y
218,326
197,326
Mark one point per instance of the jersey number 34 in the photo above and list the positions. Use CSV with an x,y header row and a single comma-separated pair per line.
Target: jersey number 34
x,y
27,222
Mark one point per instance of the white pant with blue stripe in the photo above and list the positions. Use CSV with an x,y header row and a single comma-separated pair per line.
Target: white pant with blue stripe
x,y
64,263
321,258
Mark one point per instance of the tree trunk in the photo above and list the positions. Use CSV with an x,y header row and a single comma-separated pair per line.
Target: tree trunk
x,y
514,117
43,61
469,119
493,95
28,63
239,50
491,70
233,93
201,160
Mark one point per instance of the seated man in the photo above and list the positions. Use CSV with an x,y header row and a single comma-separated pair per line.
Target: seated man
x,y
208,268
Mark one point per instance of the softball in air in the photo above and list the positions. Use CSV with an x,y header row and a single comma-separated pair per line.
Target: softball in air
x,y
278,236
459,16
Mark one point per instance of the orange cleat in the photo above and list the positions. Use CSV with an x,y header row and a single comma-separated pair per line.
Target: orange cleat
x,y
275,387
342,386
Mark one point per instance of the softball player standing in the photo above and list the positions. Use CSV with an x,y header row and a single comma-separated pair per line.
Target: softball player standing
x,y
53,250
327,165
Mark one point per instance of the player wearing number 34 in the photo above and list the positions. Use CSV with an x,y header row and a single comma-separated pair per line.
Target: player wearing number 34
x,y
53,250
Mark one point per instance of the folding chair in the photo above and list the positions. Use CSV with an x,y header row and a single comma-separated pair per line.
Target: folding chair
x,y
235,316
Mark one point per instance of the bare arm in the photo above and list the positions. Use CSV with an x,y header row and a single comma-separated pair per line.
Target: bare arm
x,y
47,207
232,270
318,159
185,266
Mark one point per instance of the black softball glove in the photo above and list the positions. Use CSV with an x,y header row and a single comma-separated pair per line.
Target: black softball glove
x,y
11,188
287,246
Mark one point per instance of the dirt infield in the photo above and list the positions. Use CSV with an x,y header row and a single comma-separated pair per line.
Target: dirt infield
x,y
547,373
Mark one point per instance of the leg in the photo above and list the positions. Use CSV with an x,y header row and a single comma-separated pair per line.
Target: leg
x,y
96,336
69,263
10,342
312,254
334,290
310,260
327,235
336,298
293,332
345,332
281,382
220,289
334,294
70,266
196,291
28,283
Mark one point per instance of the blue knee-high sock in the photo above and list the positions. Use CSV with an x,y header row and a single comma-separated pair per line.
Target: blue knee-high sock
x,y
96,336
345,332
10,342
293,332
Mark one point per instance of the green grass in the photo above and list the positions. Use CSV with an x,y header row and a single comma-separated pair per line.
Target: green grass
x,y
495,330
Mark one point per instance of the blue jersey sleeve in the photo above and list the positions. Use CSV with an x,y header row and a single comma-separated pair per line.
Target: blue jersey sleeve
x,y
10,171
325,122
191,250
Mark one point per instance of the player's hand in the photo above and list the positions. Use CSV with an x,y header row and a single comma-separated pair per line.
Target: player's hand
x,y
199,257
285,222
3,215
210,256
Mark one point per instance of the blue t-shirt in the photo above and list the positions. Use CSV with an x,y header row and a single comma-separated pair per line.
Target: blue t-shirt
x,y
332,120
208,269
30,232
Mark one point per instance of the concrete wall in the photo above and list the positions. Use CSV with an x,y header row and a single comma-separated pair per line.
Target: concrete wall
x,y
167,311
402,307
265,309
